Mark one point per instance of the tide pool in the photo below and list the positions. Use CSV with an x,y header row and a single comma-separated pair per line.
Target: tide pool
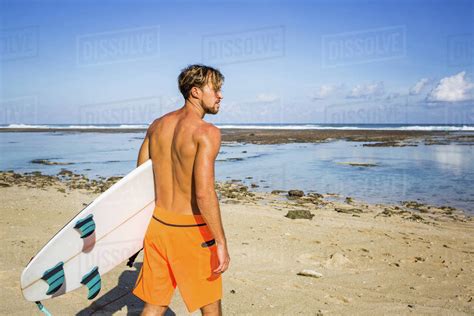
x,y
436,174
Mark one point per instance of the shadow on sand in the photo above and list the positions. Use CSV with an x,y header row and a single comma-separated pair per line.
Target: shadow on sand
x,y
119,297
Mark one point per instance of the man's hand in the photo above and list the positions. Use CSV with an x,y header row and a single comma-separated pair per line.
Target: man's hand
x,y
224,259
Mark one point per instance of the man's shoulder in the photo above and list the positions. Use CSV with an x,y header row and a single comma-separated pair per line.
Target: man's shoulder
x,y
209,129
152,127
157,121
208,132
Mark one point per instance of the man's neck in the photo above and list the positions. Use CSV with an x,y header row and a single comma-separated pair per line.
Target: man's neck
x,y
192,106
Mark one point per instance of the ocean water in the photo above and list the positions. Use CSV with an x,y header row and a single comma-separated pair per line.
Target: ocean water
x,y
406,127
436,174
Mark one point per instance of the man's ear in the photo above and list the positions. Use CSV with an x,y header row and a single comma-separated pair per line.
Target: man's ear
x,y
195,92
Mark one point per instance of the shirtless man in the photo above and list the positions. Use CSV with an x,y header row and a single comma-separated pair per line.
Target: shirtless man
x,y
185,244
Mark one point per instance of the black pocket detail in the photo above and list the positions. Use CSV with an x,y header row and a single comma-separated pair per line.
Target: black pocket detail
x,y
208,243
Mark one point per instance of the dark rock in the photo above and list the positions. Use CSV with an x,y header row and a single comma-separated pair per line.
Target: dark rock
x,y
231,202
65,172
243,188
412,204
278,191
235,159
48,162
415,217
295,193
386,212
359,164
113,179
348,210
297,214
315,195
447,209
388,144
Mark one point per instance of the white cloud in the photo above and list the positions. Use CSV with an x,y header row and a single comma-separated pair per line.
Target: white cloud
x,y
265,97
456,88
367,90
416,89
325,91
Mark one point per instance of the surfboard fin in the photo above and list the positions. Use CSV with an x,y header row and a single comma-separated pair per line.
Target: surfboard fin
x,y
86,226
93,282
54,277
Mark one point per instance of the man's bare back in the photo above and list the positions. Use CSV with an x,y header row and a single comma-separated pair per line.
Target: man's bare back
x,y
173,145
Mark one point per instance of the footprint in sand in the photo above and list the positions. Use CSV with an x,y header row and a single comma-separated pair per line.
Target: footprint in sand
x,y
337,260
308,259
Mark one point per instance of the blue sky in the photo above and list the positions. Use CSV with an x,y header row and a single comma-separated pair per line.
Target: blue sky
x,y
284,61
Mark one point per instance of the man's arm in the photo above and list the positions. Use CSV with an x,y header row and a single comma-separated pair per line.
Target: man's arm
x,y
144,153
208,147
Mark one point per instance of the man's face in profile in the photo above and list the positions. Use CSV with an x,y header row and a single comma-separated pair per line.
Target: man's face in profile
x,y
211,99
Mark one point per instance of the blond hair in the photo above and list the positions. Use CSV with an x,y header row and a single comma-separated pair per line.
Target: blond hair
x,y
198,76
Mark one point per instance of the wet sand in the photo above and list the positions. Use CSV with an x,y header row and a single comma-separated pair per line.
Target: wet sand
x,y
387,259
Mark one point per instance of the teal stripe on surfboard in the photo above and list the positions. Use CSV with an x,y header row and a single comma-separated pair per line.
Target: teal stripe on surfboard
x,y
54,277
93,282
86,226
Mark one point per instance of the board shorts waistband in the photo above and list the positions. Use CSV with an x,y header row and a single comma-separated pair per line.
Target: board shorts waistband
x,y
171,218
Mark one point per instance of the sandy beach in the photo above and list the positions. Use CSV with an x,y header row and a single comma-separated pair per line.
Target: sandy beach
x,y
344,167
391,259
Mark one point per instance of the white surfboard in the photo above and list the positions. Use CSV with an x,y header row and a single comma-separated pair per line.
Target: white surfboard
x,y
104,234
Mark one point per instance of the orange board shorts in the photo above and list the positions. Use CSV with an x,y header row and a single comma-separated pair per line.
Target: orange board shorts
x,y
178,250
